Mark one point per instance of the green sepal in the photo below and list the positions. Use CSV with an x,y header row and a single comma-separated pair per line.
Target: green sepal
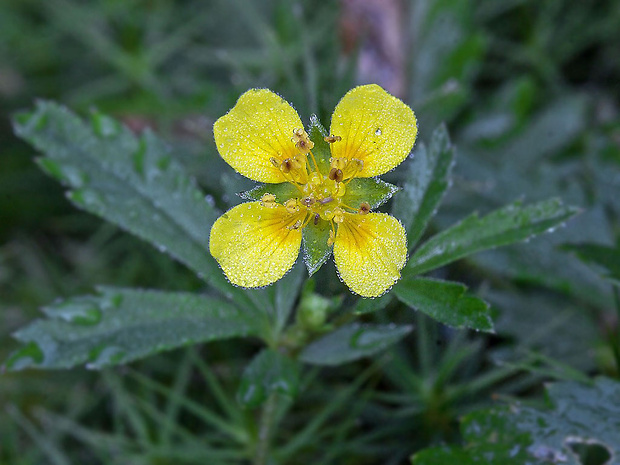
x,y
283,191
374,191
321,151
316,250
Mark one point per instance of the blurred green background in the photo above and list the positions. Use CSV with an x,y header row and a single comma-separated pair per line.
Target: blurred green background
x,y
529,90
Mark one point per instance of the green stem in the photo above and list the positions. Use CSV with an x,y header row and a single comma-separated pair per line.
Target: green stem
x,y
261,453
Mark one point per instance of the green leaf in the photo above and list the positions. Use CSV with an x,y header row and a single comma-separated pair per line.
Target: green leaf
x,y
132,182
371,190
269,372
121,325
512,223
282,191
445,301
490,438
321,151
579,415
429,176
364,305
352,342
606,258
315,248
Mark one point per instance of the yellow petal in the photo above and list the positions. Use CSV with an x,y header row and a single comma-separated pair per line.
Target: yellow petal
x,y
260,126
370,250
375,127
255,245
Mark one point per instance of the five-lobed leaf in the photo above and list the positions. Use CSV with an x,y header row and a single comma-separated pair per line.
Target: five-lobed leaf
x,y
445,301
510,224
118,326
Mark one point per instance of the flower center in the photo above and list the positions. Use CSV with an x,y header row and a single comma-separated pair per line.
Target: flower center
x,y
323,197
320,195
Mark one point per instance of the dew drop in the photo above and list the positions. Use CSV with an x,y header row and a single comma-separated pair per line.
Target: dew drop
x,y
378,132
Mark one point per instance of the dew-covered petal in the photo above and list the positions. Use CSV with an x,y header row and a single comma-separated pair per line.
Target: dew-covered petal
x,y
375,127
258,128
256,245
370,250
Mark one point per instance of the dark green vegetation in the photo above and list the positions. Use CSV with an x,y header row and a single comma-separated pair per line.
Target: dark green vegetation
x,y
529,93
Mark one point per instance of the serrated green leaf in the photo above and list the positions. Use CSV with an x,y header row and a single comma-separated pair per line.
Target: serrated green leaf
x,y
132,182
282,191
315,248
352,342
371,190
321,151
445,301
121,325
428,178
269,372
579,415
602,256
510,224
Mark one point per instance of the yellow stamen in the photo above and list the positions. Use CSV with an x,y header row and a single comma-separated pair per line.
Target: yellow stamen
x,y
335,174
316,165
349,207
338,163
302,141
291,206
331,239
268,200
364,208
331,139
338,215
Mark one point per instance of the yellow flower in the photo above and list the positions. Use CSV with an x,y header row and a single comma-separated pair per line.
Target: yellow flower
x,y
315,188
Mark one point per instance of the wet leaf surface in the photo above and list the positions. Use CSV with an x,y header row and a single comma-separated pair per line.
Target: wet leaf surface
x,y
117,326
523,435
352,342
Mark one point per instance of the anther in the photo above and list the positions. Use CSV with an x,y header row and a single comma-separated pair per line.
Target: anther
x,y
338,163
364,208
331,139
308,201
302,141
286,165
335,174
291,205
326,200
338,215
268,200
359,164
